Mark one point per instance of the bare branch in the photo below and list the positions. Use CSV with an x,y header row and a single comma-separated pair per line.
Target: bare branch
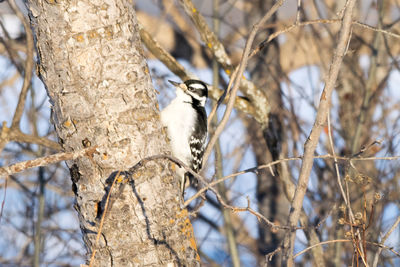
x,y
257,97
17,136
320,244
28,65
94,248
312,141
47,160
383,240
4,198
133,169
159,52
237,78
173,65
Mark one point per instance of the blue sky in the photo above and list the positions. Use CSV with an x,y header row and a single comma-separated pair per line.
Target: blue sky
x,y
304,82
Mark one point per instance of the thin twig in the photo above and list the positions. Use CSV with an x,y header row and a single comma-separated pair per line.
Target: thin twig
x,y
28,65
312,140
9,46
253,170
173,65
366,26
320,244
94,248
4,197
339,179
16,135
203,180
385,247
269,165
43,161
383,240
298,11
317,21
257,97
4,136
221,99
237,77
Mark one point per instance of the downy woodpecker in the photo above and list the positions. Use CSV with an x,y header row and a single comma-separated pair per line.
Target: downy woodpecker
x,y
186,121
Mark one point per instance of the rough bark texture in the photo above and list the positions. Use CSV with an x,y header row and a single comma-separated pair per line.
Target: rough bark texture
x,y
101,94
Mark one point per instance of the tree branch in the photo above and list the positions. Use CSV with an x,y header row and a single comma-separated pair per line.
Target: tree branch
x,y
312,141
236,78
47,160
28,66
383,240
257,97
173,65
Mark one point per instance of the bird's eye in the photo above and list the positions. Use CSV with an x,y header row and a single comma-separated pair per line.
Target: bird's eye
x,y
191,88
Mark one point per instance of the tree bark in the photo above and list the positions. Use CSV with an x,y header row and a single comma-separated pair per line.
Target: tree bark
x,y
92,64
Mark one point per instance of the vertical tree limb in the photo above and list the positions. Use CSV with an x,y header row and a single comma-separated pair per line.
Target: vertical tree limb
x,y
312,141
227,226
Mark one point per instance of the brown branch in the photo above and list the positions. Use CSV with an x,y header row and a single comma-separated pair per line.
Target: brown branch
x,y
132,170
4,136
94,248
237,77
366,26
43,161
28,66
10,81
9,46
256,96
312,141
383,240
290,28
17,136
269,165
320,244
317,21
159,52
380,245
173,65
4,198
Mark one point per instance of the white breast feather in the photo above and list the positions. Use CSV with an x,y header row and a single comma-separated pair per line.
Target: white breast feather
x,y
178,117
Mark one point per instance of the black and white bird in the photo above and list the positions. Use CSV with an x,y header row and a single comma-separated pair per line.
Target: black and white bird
x,y
185,119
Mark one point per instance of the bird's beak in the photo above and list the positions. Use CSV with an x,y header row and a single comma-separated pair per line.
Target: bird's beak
x,y
179,85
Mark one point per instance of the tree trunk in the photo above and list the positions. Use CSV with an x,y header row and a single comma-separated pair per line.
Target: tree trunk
x,y
92,63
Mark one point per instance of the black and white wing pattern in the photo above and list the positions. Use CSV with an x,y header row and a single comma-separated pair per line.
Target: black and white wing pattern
x,y
197,143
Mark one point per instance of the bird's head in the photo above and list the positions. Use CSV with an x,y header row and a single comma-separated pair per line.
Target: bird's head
x,y
196,89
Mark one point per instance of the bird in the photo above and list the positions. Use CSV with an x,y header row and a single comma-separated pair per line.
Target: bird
x,y
185,120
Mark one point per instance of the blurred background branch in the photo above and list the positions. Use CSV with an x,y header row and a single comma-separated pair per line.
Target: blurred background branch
x,y
258,157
